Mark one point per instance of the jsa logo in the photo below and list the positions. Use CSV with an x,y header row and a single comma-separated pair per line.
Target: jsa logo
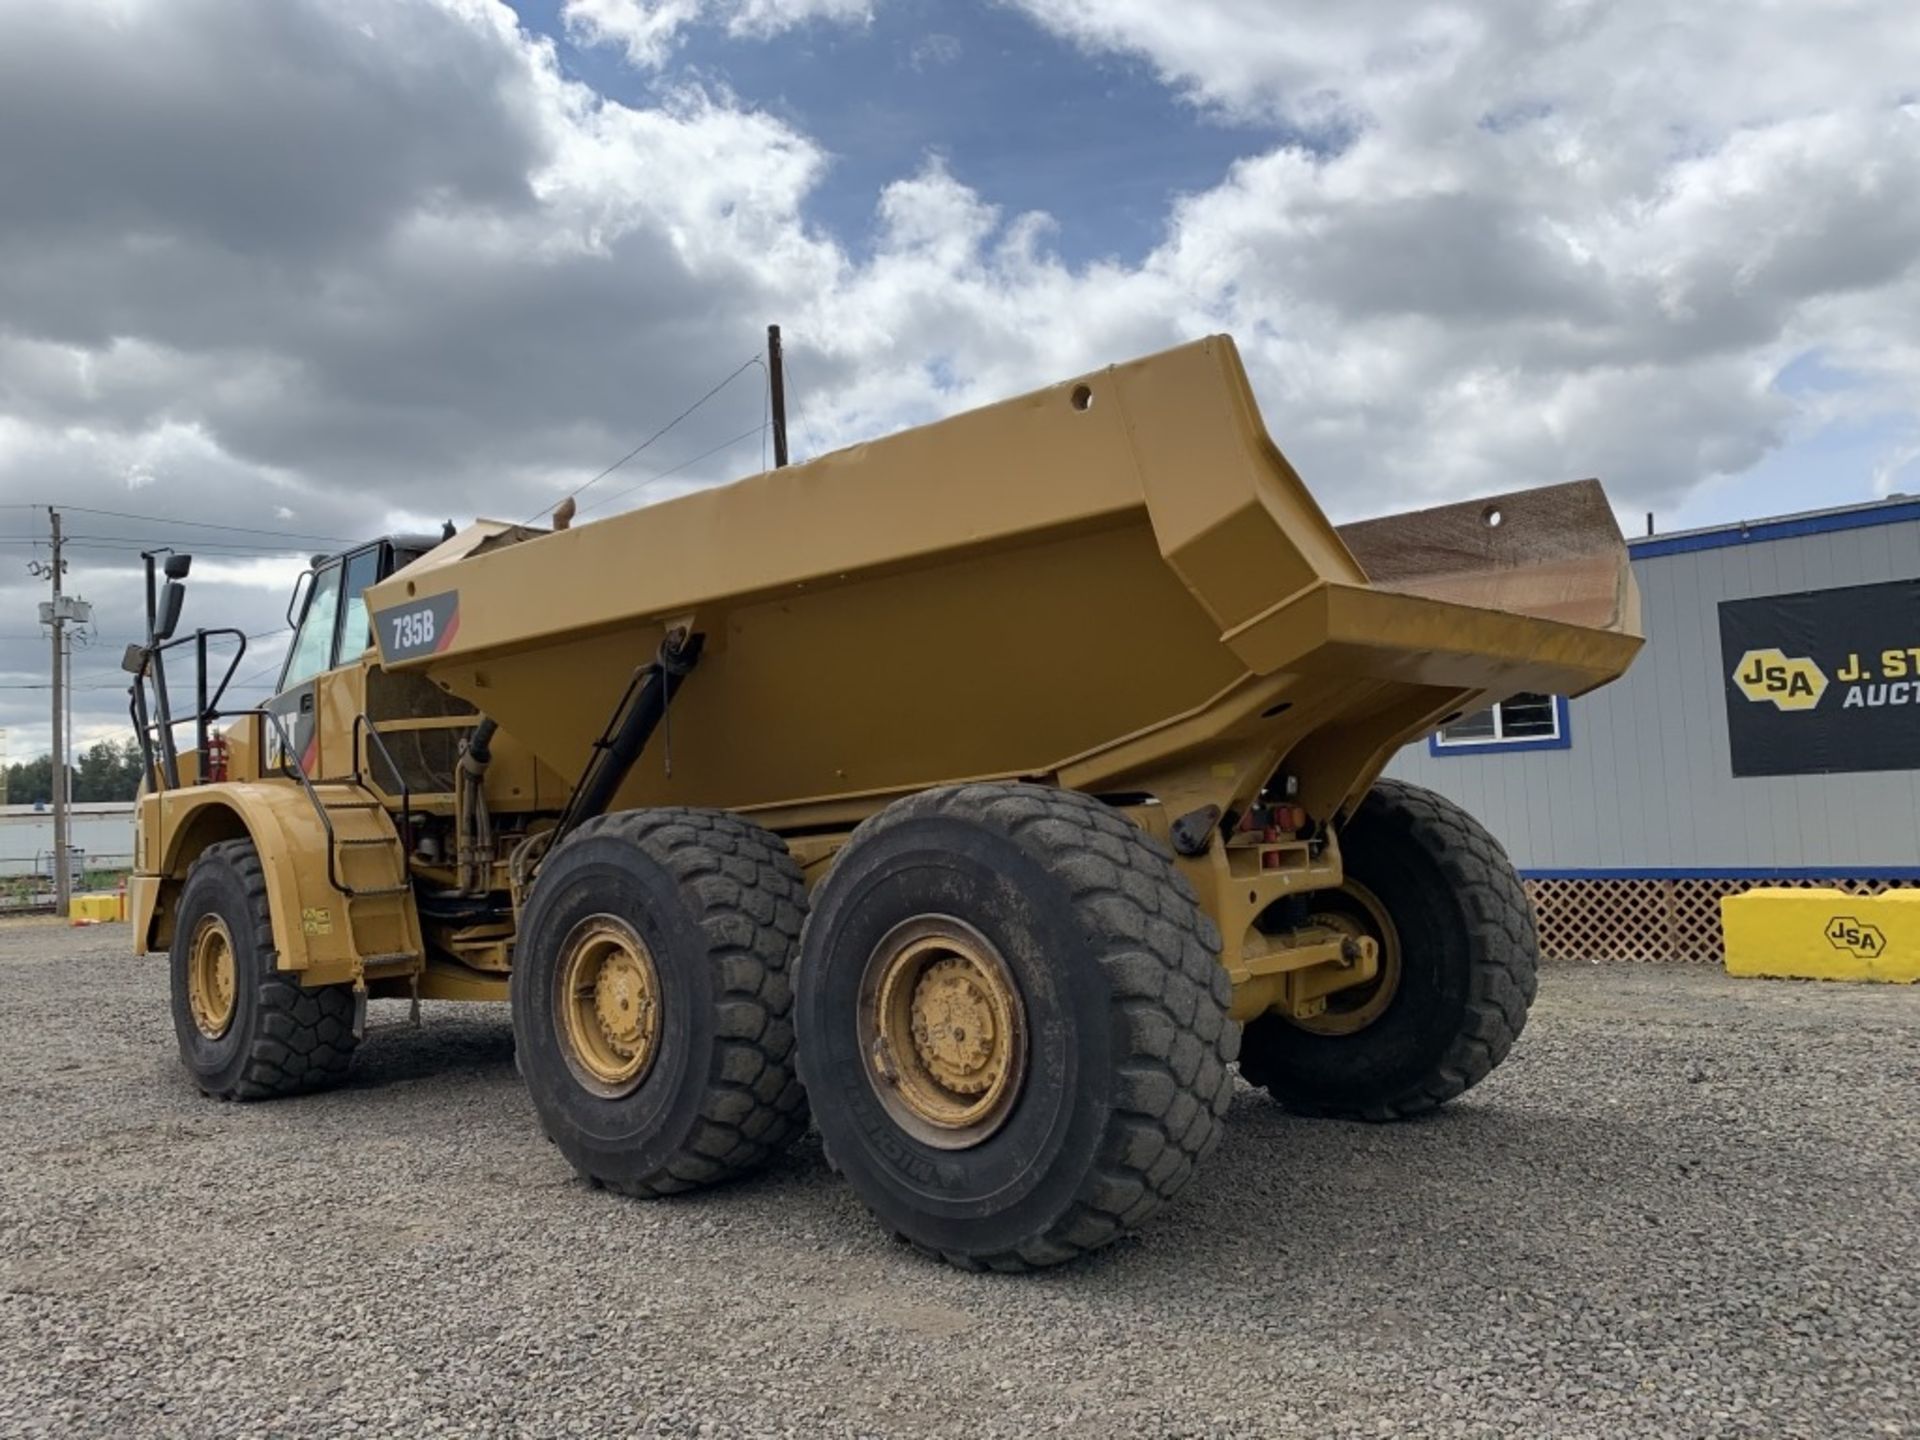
x,y
1846,933
1791,684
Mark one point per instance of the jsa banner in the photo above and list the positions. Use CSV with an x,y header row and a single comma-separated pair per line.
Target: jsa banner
x,y
1824,681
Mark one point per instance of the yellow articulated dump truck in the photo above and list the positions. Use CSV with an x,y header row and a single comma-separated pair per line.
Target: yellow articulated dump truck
x,y
984,791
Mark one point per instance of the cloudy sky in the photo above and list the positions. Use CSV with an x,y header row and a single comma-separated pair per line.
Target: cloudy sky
x,y
275,277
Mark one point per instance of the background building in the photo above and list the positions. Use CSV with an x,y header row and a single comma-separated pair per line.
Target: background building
x,y
100,836
1769,733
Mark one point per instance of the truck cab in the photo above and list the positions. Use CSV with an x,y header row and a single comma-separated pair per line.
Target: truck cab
x,y
380,856
328,613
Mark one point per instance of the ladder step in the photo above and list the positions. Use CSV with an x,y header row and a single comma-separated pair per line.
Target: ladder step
x,y
365,840
362,892
398,957
336,806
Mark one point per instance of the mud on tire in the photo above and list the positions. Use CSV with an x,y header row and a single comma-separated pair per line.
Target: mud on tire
x,y
283,1037
1469,956
718,903
1127,1070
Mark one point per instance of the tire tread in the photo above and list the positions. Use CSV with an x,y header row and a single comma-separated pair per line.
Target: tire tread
x,y
1169,999
1502,945
305,1040
750,897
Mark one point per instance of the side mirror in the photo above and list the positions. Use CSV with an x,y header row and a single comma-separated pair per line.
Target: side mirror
x,y
134,661
178,565
172,597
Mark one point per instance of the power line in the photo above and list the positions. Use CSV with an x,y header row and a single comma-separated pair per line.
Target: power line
x,y
107,680
48,685
744,366
213,549
253,545
676,469
208,525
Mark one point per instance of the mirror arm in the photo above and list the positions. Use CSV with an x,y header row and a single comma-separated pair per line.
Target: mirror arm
x,y
160,629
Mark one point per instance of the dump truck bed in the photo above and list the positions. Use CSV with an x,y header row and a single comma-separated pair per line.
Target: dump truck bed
x,y
1118,583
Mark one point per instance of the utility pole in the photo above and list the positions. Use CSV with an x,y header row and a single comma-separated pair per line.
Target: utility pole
x,y
62,880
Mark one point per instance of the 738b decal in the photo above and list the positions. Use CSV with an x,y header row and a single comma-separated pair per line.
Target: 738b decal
x,y
425,626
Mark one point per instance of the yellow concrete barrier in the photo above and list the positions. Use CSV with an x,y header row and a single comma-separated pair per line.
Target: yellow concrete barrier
x,y
94,909
1823,934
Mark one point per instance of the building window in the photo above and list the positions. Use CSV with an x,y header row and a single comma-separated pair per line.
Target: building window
x,y
1522,722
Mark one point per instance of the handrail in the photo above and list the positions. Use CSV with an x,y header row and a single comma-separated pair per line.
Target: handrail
x,y
206,711
406,793
208,708
290,760
232,665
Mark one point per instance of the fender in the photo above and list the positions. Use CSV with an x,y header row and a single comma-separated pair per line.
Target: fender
x,y
310,923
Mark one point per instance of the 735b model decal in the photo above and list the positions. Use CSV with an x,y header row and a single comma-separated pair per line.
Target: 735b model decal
x,y
417,627
413,629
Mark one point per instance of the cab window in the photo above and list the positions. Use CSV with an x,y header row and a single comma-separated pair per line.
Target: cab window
x,y
313,646
363,570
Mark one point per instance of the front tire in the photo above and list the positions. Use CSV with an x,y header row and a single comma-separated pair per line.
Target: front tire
x,y
1013,1023
1460,956
651,1000
247,1029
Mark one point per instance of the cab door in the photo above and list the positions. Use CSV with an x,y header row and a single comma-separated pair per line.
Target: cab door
x,y
333,632
309,655
340,692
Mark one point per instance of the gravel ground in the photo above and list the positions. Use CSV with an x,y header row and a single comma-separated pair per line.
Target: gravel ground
x,y
1686,1205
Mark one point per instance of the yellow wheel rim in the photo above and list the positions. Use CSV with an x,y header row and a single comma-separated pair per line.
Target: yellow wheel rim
x,y
607,1005
944,1031
210,976
1357,911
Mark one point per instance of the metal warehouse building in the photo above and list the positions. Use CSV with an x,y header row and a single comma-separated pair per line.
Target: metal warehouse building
x,y
101,837
1768,734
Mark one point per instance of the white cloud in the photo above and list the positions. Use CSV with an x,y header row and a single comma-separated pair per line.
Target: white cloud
x,y
1527,241
1433,70
648,30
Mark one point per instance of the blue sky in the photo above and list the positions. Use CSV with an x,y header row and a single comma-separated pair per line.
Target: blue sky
x,y
1822,463
1024,117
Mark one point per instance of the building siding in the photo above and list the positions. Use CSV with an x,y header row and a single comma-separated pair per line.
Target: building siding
x,y
1647,782
102,832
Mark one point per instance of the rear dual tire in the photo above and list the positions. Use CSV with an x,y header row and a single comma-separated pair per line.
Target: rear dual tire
x,y
1461,959
1048,915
